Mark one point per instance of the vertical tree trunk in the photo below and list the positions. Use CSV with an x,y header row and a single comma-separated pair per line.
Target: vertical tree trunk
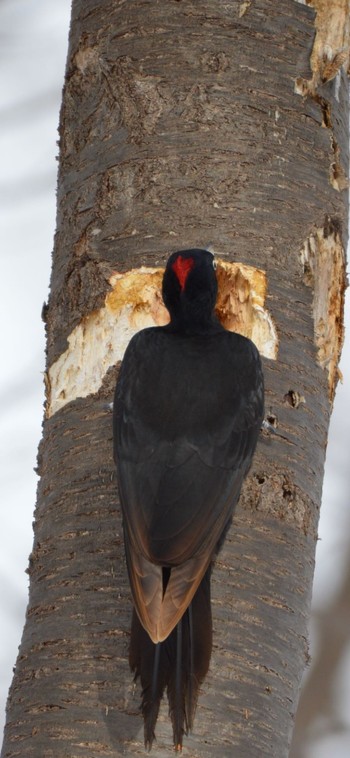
x,y
183,124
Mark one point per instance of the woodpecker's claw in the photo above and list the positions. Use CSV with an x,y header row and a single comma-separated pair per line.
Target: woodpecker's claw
x,y
266,426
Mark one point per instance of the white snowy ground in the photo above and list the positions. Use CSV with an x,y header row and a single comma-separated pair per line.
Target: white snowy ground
x,y
33,46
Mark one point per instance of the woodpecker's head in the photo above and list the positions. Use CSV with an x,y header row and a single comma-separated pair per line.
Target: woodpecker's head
x,y
190,286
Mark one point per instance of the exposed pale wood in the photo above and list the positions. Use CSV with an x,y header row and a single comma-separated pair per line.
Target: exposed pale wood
x,y
135,302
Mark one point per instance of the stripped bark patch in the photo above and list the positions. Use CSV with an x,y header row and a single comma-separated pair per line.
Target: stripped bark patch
x,y
330,51
240,305
330,54
135,302
323,261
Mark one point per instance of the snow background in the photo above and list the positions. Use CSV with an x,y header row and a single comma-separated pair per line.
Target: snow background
x,y
33,48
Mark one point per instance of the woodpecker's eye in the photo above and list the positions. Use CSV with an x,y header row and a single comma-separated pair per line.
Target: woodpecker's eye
x,y
214,264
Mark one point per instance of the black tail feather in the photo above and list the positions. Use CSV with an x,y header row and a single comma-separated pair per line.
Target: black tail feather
x,y
190,705
148,662
180,664
176,691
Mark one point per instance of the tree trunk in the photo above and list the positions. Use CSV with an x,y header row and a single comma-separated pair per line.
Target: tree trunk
x,y
184,124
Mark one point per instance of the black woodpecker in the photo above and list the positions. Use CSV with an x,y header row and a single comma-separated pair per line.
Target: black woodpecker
x,y
188,409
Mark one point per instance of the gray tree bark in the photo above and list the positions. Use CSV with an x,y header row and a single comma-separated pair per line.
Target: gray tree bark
x,y
183,124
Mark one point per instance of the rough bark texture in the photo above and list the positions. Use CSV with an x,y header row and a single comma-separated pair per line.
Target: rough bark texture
x,y
181,127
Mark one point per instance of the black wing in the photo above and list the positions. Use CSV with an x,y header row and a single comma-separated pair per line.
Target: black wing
x,y
187,416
